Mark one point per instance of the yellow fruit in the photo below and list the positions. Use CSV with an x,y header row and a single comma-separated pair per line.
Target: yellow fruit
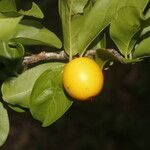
x,y
82,78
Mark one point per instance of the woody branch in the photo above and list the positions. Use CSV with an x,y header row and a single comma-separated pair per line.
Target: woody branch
x,y
61,56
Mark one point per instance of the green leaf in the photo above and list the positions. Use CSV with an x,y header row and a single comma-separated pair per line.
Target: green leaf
x,y
4,124
141,4
82,22
78,6
68,9
142,49
48,100
35,11
16,91
99,42
145,32
145,27
7,5
79,29
11,56
103,56
8,27
147,15
17,109
102,13
124,27
11,50
33,33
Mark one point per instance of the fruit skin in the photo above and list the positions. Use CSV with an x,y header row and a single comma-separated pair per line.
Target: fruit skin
x,y
82,78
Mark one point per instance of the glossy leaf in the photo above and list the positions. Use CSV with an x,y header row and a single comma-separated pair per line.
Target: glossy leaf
x,y
35,11
4,124
48,100
33,33
124,27
11,56
67,9
75,23
102,13
141,4
11,50
79,29
8,27
7,5
127,28
142,49
16,91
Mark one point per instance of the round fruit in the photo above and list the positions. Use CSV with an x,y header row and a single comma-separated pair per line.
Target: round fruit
x,y
82,78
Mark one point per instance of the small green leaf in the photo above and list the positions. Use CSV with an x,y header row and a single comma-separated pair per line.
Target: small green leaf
x,y
142,49
31,32
4,124
8,27
104,56
17,109
99,42
7,5
48,100
11,56
16,91
123,28
11,50
141,4
145,32
35,11
78,6
145,27
147,15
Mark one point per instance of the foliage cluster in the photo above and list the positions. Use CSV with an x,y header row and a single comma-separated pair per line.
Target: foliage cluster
x,y
86,24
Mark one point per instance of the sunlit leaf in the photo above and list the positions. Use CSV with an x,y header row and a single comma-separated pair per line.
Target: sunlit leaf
x,y
7,5
11,56
99,42
11,50
95,20
142,49
141,4
123,28
17,109
33,33
67,9
4,124
48,100
79,29
8,27
16,91
105,56
35,11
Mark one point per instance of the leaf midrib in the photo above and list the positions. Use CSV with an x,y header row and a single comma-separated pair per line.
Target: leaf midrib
x,y
70,31
18,94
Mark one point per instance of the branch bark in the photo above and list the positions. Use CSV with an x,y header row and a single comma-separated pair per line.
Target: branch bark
x,y
61,56
44,56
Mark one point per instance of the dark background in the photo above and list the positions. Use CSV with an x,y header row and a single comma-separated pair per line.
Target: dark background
x,y
118,119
